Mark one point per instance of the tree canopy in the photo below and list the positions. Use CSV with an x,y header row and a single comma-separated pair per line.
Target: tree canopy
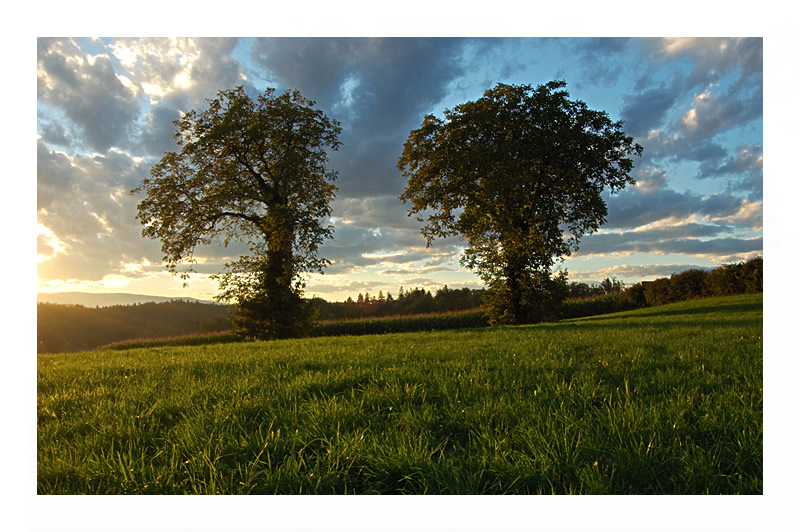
x,y
250,170
519,175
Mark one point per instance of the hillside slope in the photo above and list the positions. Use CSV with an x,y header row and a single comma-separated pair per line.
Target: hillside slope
x,y
66,328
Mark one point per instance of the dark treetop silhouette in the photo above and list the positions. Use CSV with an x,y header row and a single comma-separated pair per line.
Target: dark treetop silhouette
x,y
518,174
252,170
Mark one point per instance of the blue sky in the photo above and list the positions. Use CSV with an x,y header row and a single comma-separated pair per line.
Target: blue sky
x,y
105,107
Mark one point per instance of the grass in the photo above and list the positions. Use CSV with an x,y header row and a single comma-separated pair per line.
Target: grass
x,y
659,400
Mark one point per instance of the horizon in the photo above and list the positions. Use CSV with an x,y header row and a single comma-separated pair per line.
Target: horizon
x,y
592,283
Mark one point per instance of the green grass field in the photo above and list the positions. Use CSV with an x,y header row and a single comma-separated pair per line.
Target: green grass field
x,y
660,400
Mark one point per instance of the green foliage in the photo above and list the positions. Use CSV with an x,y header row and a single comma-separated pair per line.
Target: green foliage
x,y
513,173
254,171
664,400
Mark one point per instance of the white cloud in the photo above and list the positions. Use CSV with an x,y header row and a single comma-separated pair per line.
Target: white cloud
x,y
632,272
87,91
750,215
48,241
177,68
649,180
159,65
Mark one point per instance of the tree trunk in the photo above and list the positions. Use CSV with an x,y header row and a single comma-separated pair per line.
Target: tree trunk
x,y
514,284
277,309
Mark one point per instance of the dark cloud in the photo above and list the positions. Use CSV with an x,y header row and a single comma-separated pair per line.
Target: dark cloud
x,y
746,168
157,132
353,248
633,208
715,58
598,57
378,88
649,180
716,113
176,75
661,147
372,212
711,58
656,241
54,133
682,116
215,69
644,111
87,90
183,71
692,97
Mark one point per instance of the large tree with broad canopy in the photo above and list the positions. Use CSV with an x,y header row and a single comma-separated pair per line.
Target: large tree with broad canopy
x,y
519,174
252,170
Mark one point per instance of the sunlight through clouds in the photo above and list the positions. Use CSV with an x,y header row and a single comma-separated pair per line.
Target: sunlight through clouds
x,y
50,242
107,106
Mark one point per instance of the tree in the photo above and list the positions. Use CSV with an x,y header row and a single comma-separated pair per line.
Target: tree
x,y
611,286
250,170
519,175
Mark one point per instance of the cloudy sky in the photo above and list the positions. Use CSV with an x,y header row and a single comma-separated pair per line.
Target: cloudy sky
x,y
105,109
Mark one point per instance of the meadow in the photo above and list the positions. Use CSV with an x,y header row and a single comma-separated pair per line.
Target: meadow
x,y
662,400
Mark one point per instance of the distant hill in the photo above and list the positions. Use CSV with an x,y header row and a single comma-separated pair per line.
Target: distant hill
x,y
63,328
106,300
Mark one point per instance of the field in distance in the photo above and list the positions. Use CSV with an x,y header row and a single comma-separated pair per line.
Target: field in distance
x,y
663,400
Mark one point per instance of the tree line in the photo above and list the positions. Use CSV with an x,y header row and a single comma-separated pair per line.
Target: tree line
x,y
407,302
729,279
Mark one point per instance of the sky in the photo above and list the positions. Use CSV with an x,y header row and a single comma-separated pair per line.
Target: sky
x,y
105,109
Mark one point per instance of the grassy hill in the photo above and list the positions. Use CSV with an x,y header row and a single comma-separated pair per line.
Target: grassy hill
x,y
659,400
